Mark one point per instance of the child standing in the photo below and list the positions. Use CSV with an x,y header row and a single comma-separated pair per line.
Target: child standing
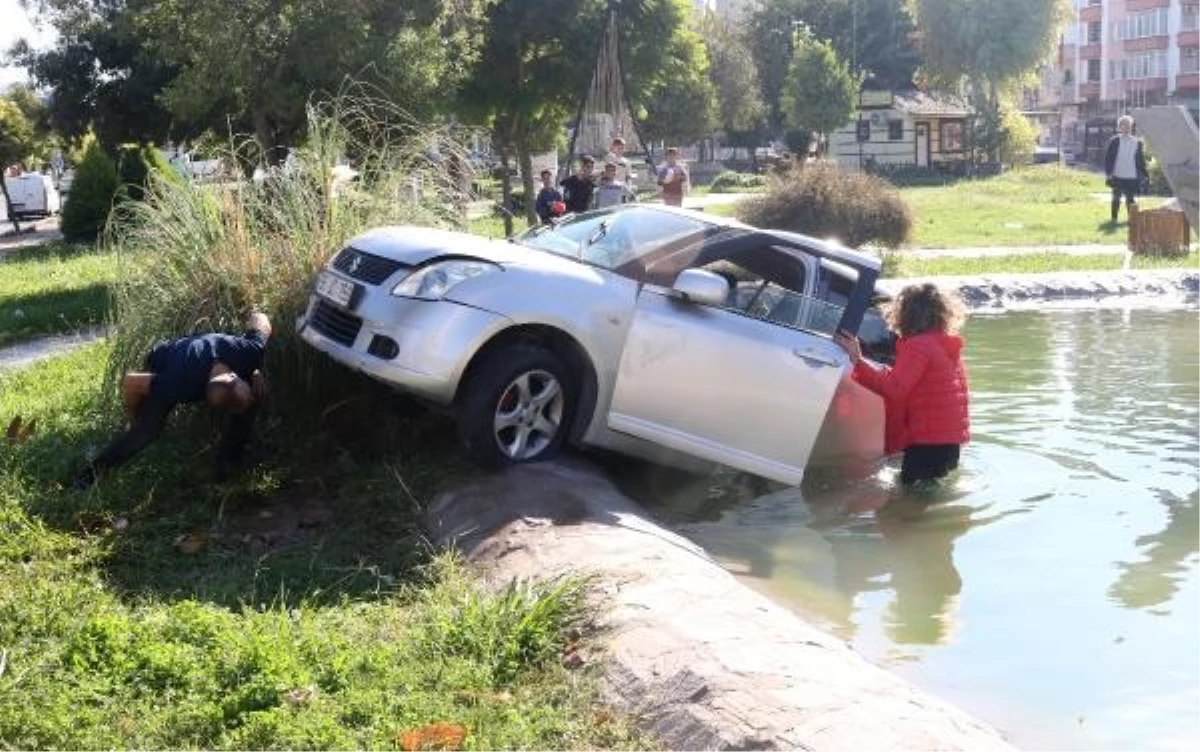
x,y
926,390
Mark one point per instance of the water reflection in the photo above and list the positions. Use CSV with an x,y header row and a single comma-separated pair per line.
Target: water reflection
x,y
1155,579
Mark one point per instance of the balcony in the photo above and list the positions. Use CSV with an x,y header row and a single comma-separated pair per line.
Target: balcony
x,y
1133,6
1188,38
1089,90
1187,82
1090,52
1091,13
1146,43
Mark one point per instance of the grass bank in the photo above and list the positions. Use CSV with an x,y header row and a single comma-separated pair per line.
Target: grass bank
x,y
294,608
1043,205
54,289
1036,205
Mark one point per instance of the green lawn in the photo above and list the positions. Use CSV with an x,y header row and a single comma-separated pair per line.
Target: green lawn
x,y
296,607
52,289
1032,206
1042,205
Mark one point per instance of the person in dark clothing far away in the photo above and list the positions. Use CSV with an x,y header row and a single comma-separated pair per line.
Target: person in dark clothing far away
x,y
223,370
1124,167
547,199
578,188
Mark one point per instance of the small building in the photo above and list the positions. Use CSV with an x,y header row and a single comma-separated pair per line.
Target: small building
x,y
908,128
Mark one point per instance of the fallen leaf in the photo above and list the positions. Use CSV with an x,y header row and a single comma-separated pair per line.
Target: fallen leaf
x,y
436,736
190,543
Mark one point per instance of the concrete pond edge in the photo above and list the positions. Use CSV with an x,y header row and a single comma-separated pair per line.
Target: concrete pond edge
x,y
700,660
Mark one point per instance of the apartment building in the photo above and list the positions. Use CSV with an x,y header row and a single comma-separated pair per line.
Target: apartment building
x,y
1114,56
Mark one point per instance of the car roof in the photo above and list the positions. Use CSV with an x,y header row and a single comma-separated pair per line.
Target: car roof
x,y
830,248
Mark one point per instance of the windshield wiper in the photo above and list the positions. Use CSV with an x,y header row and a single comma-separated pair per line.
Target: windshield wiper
x,y
596,236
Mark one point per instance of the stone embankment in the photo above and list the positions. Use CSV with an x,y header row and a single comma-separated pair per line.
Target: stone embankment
x,y
1153,287
699,659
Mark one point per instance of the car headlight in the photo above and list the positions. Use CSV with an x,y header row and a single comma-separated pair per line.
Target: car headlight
x,y
434,281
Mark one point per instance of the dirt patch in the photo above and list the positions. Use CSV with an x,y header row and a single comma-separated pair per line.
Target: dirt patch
x,y
295,515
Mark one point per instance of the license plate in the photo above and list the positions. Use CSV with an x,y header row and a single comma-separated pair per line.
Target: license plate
x,y
335,288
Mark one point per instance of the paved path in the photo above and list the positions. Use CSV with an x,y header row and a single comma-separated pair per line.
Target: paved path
x,y
28,352
33,232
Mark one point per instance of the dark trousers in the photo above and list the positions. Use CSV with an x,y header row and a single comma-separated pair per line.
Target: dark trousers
x,y
152,416
1127,187
928,462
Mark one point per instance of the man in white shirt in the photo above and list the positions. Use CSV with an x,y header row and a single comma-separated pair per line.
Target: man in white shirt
x,y
1124,166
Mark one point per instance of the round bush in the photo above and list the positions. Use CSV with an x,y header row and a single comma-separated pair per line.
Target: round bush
x,y
91,198
822,200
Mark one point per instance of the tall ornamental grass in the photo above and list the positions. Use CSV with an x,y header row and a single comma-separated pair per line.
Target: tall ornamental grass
x,y
197,257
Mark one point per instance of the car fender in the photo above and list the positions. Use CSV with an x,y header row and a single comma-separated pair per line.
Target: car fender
x,y
592,306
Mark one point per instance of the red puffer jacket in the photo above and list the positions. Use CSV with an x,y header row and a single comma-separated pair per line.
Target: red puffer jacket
x,y
925,391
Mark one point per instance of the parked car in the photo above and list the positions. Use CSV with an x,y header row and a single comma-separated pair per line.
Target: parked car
x,y
33,195
664,333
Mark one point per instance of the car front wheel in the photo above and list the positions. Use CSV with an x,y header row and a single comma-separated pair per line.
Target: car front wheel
x,y
515,407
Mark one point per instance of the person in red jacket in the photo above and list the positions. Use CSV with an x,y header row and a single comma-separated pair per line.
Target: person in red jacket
x,y
925,391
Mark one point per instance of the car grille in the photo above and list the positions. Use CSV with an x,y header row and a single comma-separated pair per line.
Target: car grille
x,y
334,323
365,267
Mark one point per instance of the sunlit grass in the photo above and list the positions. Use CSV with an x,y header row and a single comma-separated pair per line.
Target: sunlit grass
x,y
53,289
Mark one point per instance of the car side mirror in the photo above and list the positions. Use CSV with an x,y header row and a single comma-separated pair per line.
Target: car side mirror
x,y
701,286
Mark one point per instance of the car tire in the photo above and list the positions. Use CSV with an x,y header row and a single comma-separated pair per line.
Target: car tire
x,y
516,407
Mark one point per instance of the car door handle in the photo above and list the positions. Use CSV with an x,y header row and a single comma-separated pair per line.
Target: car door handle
x,y
815,358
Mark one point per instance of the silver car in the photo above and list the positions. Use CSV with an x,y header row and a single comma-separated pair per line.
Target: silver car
x,y
663,333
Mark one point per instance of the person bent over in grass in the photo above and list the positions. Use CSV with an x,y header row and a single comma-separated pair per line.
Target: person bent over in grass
x,y
223,370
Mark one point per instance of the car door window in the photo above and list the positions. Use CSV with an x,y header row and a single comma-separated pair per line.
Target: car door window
x,y
769,284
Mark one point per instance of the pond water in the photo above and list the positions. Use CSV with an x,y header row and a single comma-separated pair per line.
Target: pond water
x,y
1049,587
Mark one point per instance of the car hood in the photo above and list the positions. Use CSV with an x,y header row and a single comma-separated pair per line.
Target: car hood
x,y
414,246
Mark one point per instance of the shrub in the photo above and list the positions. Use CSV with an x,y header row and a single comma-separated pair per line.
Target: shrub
x,y
822,200
91,198
135,164
730,181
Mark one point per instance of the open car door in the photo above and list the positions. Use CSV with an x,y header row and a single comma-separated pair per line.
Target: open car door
x,y
724,386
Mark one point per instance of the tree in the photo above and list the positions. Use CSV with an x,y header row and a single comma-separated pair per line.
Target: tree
x,y
536,61
990,43
252,65
819,91
872,35
679,102
16,141
102,79
740,105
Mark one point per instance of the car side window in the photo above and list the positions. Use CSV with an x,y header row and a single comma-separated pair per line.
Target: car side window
x,y
769,284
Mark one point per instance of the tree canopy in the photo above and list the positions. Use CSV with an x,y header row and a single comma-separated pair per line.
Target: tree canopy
x,y
988,42
154,67
819,91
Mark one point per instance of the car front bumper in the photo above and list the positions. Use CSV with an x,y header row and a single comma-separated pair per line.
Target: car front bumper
x,y
431,342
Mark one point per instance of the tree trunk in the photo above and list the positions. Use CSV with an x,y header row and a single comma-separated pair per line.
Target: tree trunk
x,y
526,161
12,217
506,193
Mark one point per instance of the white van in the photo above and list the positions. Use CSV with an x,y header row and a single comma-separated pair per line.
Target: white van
x,y
33,195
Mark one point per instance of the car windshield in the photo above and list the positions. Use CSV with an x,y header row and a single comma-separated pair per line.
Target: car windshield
x,y
611,238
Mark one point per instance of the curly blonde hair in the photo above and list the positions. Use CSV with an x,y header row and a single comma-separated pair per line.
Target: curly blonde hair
x,y
923,308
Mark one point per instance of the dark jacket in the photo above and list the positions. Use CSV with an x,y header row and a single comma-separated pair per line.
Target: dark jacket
x,y
545,198
578,193
1110,158
181,366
